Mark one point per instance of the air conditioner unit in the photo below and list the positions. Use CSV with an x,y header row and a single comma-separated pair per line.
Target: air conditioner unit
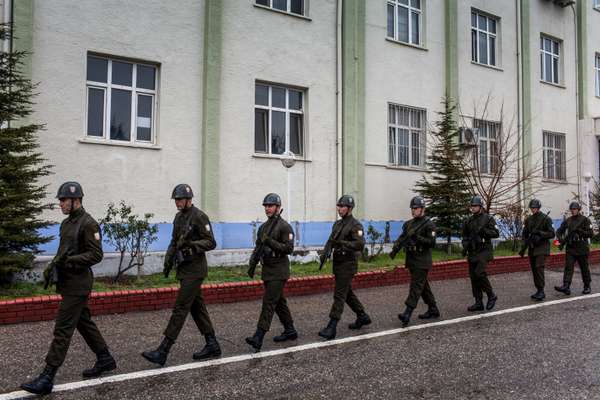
x,y
564,3
468,137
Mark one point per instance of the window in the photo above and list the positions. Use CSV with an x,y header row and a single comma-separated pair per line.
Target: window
x,y
597,4
278,119
549,59
484,40
406,136
290,6
597,69
555,166
121,100
404,20
487,147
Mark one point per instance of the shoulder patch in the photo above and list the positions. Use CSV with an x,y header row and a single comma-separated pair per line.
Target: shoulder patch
x,y
207,227
97,236
360,232
291,236
432,233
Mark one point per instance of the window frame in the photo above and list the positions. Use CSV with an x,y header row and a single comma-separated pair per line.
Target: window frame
x,y
288,9
135,91
396,4
553,56
270,108
476,58
597,71
596,5
559,169
410,146
492,157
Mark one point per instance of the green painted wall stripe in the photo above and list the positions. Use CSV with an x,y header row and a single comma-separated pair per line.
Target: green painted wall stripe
x,y
211,91
526,87
353,110
22,12
451,30
582,71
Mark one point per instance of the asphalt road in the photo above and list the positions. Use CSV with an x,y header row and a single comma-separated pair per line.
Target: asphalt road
x,y
550,352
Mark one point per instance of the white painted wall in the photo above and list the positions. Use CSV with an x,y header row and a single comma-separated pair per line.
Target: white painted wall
x,y
264,45
162,32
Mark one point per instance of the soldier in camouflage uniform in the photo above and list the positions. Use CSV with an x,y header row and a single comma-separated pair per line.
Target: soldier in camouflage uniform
x,y
80,248
477,234
192,238
537,230
275,241
417,238
574,233
347,241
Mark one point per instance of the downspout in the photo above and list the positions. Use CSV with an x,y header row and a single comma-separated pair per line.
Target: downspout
x,y
7,18
338,99
577,105
521,142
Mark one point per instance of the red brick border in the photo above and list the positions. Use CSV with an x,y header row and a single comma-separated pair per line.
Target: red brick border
x,y
44,308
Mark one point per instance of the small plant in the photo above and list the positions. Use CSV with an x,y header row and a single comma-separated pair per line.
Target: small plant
x,y
129,234
375,242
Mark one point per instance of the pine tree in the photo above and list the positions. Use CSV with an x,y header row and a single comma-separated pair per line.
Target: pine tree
x,y
446,189
21,166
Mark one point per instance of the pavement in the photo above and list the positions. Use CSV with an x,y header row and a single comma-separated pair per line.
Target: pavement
x,y
546,352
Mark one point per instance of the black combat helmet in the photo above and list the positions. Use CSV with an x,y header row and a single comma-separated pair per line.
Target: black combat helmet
x,y
574,206
417,202
70,190
346,201
272,199
535,203
477,201
182,191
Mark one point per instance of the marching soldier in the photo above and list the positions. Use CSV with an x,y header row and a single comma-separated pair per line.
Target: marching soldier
x,y
537,231
80,248
574,233
275,241
347,242
192,237
477,234
417,238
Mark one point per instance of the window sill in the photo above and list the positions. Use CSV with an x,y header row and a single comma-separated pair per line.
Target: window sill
x,y
397,167
414,46
487,66
555,181
125,144
278,157
553,84
282,12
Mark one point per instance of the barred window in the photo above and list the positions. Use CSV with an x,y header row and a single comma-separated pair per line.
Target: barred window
x,y
487,146
550,60
406,136
484,41
555,165
278,119
404,20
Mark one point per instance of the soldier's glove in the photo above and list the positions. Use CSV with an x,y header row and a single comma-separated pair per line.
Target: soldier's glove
x,y
535,238
167,266
336,244
267,240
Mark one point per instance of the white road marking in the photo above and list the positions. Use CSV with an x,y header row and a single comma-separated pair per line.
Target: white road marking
x,y
271,353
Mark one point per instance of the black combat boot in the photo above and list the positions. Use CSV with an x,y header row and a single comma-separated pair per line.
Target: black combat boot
x,y
289,333
405,316
211,348
361,320
432,312
565,288
587,289
478,306
330,330
539,295
159,356
104,363
43,384
256,341
491,301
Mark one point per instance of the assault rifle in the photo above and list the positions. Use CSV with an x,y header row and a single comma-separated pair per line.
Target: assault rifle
x,y
178,257
51,277
474,238
568,239
328,250
259,252
527,243
407,238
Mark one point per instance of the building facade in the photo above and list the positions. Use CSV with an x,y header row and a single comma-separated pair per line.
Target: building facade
x,y
140,96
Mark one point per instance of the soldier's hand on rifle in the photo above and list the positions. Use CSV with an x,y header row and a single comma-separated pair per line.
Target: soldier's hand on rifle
x,y
322,259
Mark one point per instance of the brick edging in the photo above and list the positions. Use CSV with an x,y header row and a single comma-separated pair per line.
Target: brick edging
x,y
44,308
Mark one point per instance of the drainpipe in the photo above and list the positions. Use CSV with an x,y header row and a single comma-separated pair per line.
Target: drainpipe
x,y
521,142
577,105
7,19
338,99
